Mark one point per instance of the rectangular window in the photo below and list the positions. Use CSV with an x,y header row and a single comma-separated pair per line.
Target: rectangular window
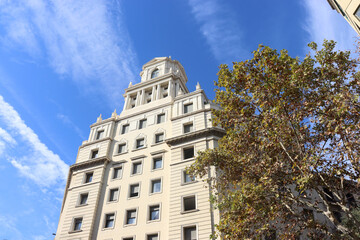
x,y
134,190
121,148
189,203
88,177
357,13
157,163
187,178
152,237
128,238
188,127
142,123
77,224
131,216
188,108
154,213
190,233
117,172
109,220
99,134
94,153
159,137
136,168
156,186
125,129
83,198
140,143
160,118
188,152
114,194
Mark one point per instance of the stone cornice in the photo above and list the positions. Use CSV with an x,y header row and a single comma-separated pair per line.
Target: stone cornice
x,y
89,163
149,82
214,131
96,141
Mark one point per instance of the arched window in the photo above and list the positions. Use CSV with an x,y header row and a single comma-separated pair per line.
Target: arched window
x,y
155,73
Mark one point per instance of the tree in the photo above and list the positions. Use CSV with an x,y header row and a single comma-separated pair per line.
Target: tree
x,y
292,145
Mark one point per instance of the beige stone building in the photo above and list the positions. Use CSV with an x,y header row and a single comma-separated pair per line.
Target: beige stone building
x,y
129,180
350,10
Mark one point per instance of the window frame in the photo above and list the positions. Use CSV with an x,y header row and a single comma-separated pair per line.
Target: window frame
x,y
115,167
130,187
117,197
73,224
126,224
79,204
137,146
140,162
105,220
148,219
142,123
155,73
151,186
92,152
183,211
183,227
159,117
159,134
186,105
183,178
183,152
85,179
147,235
126,127
153,163
189,124
118,148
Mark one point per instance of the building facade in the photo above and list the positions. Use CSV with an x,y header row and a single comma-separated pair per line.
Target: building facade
x,y
350,10
129,180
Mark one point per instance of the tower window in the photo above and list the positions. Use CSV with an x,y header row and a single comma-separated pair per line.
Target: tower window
x,y
125,129
154,213
109,220
159,137
188,108
142,123
83,198
99,134
160,118
189,127
88,177
189,233
189,203
188,153
94,153
131,216
77,224
155,73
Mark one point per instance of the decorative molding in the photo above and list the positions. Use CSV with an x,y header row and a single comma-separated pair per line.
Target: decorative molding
x,y
197,134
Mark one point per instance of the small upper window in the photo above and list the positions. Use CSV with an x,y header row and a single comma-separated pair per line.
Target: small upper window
x,y
136,168
89,177
152,237
156,186
140,143
188,127
125,129
77,224
190,233
155,73
94,153
99,134
154,213
159,137
83,198
134,190
357,13
188,108
142,123
188,153
187,178
160,118
113,195
189,203
109,220
121,148
157,163
131,216
117,172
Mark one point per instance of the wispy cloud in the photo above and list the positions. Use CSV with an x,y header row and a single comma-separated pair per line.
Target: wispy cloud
x,y
218,25
66,120
34,160
324,23
86,39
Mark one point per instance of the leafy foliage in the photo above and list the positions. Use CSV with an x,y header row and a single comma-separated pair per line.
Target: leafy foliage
x,y
291,147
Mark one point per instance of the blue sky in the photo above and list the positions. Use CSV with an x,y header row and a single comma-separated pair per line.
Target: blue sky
x,y
63,62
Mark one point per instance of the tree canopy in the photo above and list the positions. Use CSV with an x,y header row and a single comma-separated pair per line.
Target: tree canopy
x,y
292,145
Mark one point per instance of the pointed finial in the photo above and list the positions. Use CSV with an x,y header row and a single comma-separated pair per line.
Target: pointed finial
x,y
99,119
198,86
130,84
113,115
